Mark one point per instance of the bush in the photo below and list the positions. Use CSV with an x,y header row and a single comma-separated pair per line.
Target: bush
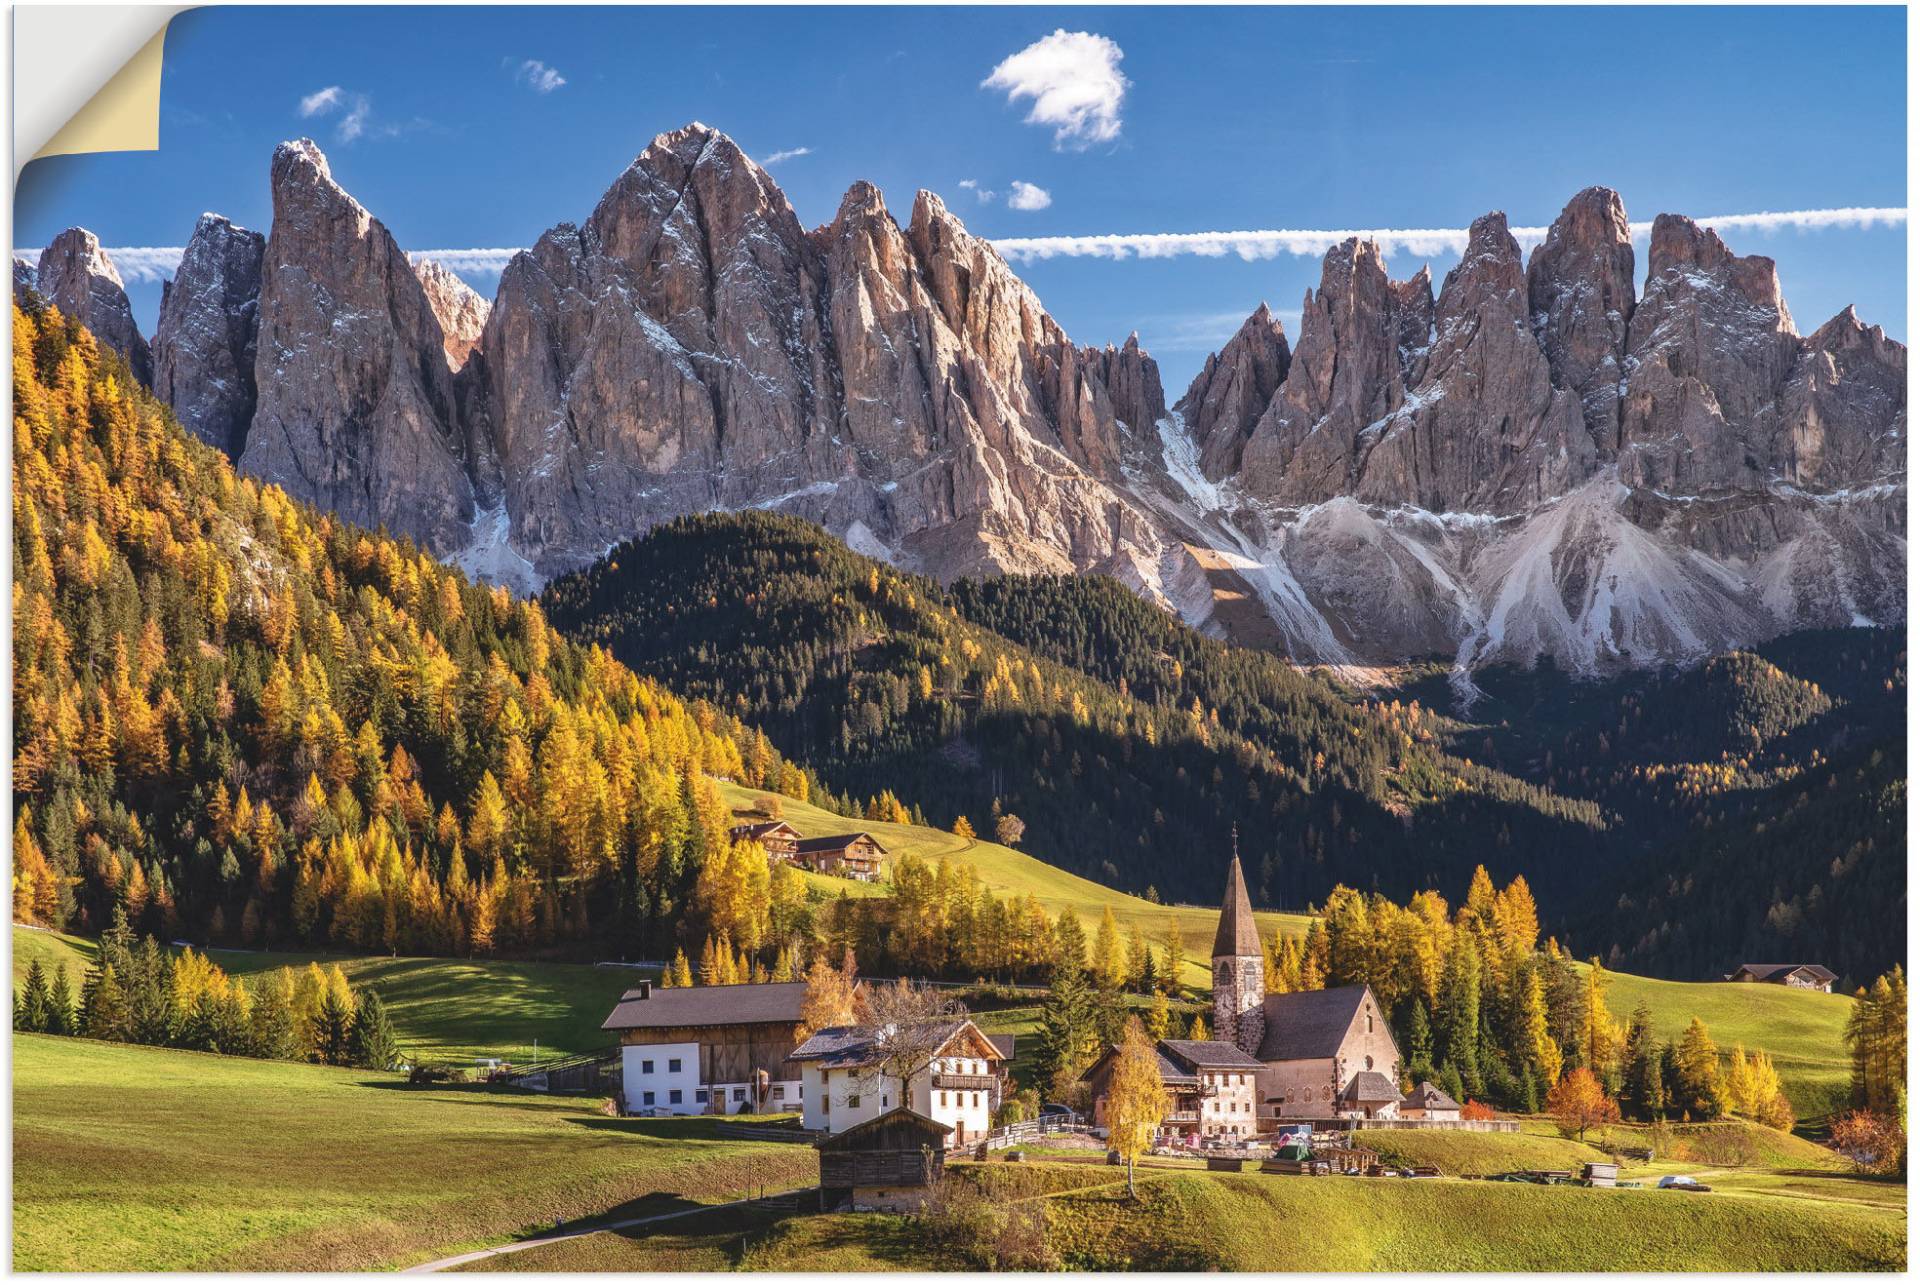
x,y
1875,1143
438,1073
986,1234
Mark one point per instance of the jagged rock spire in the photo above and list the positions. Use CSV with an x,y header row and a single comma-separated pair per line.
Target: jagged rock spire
x,y
78,277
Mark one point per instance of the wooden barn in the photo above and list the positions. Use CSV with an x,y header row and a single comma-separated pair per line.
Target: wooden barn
x,y
708,1050
851,856
891,1162
777,837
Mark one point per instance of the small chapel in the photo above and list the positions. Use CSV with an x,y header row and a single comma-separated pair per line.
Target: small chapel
x,y
1324,1055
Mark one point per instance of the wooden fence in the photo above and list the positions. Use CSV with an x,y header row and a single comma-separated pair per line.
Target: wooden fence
x,y
1457,1126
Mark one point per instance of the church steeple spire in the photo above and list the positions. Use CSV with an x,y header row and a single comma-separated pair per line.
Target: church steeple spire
x,y
1239,966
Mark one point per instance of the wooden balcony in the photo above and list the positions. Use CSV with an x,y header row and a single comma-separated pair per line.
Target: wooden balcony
x,y
1180,1117
947,1080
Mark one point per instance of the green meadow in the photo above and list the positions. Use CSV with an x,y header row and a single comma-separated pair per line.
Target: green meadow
x,y
129,1158
442,1009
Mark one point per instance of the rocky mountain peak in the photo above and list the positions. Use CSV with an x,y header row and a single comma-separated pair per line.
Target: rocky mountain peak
x,y
1580,291
1842,413
79,278
1679,246
1708,348
205,346
1359,334
1484,430
356,409
461,311
1233,389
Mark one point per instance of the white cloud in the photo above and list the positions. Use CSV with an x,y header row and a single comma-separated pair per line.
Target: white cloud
x,y
321,101
1271,243
150,263
1026,196
354,123
789,154
983,194
539,77
325,102
1074,80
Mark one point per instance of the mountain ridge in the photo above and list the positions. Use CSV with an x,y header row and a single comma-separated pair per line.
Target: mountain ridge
x,y
1533,462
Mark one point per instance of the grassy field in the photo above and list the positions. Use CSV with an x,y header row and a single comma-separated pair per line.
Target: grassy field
x,y
1255,1222
1008,871
1802,1031
735,1240
441,1008
1688,1148
1259,1222
130,1158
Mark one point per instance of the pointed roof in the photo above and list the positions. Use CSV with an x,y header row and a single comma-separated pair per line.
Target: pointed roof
x,y
1238,934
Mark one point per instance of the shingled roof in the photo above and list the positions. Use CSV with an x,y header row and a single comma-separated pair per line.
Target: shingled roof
x,y
1428,1096
1209,1055
836,842
1306,1024
1370,1086
857,1046
1773,972
1238,933
652,1006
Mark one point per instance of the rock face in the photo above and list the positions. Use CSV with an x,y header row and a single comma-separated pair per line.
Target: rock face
x,y
1562,470
1580,293
1709,346
461,312
76,276
1842,417
23,278
691,346
1232,391
1361,341
356,408
1533,463
1485,429
204,348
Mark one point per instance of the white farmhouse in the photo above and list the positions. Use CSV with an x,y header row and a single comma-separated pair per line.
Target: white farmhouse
x,y
943,1070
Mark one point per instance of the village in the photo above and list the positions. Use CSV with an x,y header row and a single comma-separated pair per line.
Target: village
x,y
889,1079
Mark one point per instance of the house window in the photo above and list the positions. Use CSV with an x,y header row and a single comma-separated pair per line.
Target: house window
x,y
739,1095
646,1067
1369,1061
646,1099
1369,1023
673,1064
853,1100
699,1095
779,1093
673,1097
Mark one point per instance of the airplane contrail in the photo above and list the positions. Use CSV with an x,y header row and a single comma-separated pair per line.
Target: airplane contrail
x,y
156,263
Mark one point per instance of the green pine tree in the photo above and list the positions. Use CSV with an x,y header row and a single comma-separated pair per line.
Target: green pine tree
x,y
333,1030
61,1020
372,1044
33,1009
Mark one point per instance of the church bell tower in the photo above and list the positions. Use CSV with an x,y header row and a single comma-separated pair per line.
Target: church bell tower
x,y
1239,968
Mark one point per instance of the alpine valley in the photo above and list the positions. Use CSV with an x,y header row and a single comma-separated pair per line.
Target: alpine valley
x,y
1539,460
1595,585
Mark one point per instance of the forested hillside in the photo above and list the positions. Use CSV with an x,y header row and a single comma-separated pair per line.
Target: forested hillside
x,y
250,723
1758,801
1124,761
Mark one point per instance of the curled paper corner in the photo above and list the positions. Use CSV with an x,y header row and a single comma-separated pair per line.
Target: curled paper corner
x,y
87,78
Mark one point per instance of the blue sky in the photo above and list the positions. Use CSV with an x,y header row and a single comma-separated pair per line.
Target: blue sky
x,y
1230,119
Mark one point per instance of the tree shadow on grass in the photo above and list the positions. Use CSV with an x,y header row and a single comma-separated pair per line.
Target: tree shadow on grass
x,y
683,1128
